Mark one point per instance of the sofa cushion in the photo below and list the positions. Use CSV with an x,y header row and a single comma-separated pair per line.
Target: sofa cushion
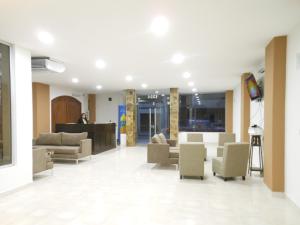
x,y
61,149
73,139
163,138
49,139
156,139
64,149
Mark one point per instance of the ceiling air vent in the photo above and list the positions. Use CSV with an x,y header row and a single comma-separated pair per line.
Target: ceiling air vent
x,y
45,63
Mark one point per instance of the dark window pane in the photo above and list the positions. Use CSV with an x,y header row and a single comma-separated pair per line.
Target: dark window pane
x,y
5,122
202,112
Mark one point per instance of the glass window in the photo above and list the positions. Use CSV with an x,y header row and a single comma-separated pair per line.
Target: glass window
x,y
5,120
202,112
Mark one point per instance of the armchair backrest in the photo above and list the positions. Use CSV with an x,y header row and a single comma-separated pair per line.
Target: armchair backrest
x,y
226,138
191,159
195,137
235,159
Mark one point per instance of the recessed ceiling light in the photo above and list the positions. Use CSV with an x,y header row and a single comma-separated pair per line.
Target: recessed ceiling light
x,y
128,78
45,37
196,94
75,80
159,26
186,75
99,87
162,95
156,92
194,90
100,64
177,58
144,85
191,83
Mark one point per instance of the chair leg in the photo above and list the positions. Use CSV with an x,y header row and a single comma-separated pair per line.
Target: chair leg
x,y
180,177
201,178
214,173
244,178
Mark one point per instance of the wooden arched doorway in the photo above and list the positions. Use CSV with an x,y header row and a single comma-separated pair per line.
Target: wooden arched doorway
x,y
65,109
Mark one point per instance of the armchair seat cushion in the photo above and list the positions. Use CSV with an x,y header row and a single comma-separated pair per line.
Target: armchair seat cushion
x,y
175,148
220,150
217,164
174,153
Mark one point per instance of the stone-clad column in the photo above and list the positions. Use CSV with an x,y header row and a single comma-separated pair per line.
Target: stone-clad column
x,y
174,113
130,117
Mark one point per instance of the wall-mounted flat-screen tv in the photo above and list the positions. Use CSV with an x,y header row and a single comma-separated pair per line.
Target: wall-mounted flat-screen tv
x,y
253,89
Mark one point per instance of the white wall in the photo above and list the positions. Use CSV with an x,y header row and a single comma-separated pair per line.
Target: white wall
x,y
20,172
292,118
237,112
56,91
208,137
108,111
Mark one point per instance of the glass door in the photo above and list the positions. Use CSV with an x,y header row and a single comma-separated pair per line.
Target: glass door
x,y
152,116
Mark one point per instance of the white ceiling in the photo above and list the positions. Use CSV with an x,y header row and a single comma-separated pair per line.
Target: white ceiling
x,y
220,38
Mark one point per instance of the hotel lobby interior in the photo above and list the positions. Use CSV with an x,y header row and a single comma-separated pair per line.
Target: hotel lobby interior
x,y
149,112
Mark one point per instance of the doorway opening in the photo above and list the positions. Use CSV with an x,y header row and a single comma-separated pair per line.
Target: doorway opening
x,y
153,110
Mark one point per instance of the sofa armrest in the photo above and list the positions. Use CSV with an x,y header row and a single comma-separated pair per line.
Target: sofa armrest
x,y
39,161
86,147
157,153
172,142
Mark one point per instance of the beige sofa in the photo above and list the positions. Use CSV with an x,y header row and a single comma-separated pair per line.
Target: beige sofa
x,y
191,160
234,162
162,150
224,138
197,138
41,160
66,146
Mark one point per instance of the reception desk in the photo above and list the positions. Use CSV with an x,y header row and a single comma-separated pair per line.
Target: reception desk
x,y
103,135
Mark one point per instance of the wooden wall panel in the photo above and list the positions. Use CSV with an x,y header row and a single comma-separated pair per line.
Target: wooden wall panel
x,y
229,111
245,109
274,132
92,108
41,108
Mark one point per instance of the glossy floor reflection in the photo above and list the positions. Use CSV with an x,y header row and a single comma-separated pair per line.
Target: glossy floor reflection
x,y
118,187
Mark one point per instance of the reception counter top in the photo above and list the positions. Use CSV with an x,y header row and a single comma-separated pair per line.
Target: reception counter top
x,y
103,135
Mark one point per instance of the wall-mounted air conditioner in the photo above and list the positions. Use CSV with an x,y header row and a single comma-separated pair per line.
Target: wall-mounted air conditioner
x,y
45,63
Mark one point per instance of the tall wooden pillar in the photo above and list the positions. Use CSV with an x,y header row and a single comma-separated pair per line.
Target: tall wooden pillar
x,y
40,108
92,107
130,117
229,111
245,109
274,130
174,113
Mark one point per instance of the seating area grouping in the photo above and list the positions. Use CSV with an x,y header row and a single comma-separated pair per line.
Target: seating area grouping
x,y
59,146
231,158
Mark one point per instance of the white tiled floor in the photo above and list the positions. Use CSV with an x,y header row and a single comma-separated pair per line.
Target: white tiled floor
x,y
118,187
